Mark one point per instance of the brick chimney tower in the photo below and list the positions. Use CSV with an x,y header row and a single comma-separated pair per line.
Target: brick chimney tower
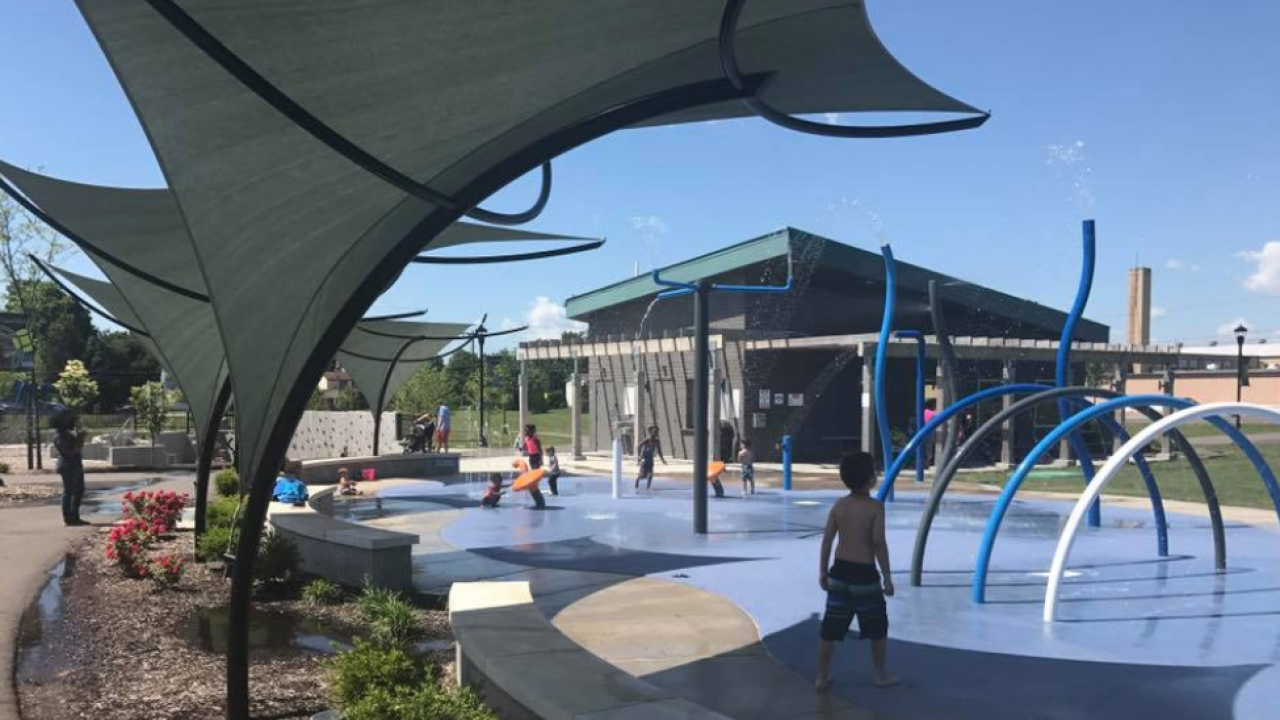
x,y
1139,306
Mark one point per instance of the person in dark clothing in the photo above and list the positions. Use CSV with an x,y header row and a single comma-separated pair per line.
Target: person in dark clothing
x,y
644,456
70,445
553,471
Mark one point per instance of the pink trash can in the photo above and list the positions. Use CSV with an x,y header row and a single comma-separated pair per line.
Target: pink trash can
x,y
368,474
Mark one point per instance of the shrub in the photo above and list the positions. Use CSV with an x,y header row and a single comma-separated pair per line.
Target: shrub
x,y
166,570
221,513
278,560
322,592
161,510
227,483
4,467
369,667
213,543
127,546
391,618
425,702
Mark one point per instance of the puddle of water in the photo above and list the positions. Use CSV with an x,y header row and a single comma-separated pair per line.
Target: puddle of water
x,y
206,629
36,663
105,500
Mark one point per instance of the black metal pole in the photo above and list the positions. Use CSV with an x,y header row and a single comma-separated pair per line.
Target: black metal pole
x,y
1239,373
209,446
35,403
484,442
701,398
31,423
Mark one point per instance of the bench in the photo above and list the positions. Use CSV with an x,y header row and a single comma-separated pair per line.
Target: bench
x,y
528,670
345,552
407,465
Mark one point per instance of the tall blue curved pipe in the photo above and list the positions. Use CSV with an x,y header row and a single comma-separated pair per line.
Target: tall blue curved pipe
x,y
919,418
950,411
882,354
1062,374
983,564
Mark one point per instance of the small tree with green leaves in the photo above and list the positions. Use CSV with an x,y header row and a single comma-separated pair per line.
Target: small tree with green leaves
x,y
77,388
150,405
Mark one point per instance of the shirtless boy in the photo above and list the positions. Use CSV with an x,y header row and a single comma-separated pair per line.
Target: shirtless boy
x,y
853,586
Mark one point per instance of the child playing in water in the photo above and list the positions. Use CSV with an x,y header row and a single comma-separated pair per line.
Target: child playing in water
x,y
346,486
644,456
747,459
493,493
853,586
553,470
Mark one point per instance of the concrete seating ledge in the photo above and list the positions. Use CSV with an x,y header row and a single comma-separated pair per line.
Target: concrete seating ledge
x,y
399,465
527,669
345,552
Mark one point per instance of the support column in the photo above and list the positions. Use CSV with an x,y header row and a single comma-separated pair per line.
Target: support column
x,y
1009,431
1119,381
868,429
575,413
701,384
523,398
941,400
640,429
1167,386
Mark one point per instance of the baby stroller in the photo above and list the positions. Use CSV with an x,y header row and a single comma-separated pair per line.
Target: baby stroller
x,y
417,440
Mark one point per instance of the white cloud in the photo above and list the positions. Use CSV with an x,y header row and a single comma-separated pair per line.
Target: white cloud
x,y
1180,264
832,118
509,324
1266,273
1157,311
547,320
649,224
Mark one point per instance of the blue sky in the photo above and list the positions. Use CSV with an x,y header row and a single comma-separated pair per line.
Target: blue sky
x,y
1159,119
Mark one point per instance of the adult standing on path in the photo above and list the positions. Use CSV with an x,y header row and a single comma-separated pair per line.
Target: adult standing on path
x,y
444,423
70,446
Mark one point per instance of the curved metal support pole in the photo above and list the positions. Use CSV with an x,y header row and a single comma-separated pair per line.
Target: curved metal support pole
x,y
314,126
729,63
1214,412
209,446
919,395
82,302
946,356
992,530
396,316
886,485
943,478
260,476
1062,367
882,355
94,250
517,257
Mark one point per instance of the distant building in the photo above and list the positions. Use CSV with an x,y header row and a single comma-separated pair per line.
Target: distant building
x,y
800,364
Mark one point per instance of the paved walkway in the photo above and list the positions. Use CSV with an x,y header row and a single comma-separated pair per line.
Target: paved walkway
x,y
32,540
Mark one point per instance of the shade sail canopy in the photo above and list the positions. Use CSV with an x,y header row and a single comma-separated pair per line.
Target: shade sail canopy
x,y
384,359
462,97
143,230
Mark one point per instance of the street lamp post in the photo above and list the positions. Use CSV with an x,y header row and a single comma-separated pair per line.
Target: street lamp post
x,y
1241,378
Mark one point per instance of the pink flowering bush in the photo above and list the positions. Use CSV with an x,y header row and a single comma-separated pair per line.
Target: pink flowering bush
x,y
159,510
166,570
127,546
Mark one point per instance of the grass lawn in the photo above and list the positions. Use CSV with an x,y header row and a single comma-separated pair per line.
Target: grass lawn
x,y
1203,429
555,427
1234,478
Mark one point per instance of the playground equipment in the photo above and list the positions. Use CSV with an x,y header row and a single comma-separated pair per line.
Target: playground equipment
x,y
701,290
1214,413
947,472
1073,425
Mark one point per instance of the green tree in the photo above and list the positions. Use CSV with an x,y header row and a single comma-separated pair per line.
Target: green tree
x,y
151,404
118,361
462,373
77,388
60,328
424,390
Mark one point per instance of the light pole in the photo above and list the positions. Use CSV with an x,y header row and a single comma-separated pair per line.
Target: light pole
x,y
1241,378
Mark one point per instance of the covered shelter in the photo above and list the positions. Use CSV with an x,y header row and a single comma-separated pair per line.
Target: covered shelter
x,y
305,142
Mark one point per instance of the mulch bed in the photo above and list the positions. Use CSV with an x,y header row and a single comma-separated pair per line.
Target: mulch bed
x,y
124,649
15,494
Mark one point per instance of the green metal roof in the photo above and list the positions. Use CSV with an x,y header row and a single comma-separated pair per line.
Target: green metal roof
x,y
750,252
834,254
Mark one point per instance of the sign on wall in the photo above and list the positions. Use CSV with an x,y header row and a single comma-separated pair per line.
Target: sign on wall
x,y
779,399
759,420
795,399
764,399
